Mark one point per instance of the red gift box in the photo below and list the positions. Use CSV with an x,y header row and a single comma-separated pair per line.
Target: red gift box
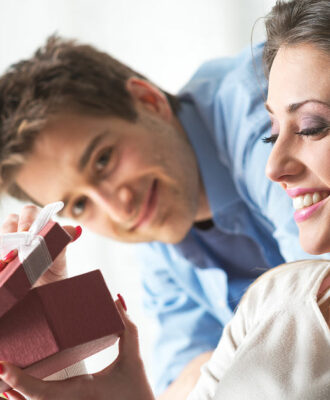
x,y
59,324
14,282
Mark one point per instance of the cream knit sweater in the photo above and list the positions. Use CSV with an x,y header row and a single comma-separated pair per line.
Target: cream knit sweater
x,y
277,346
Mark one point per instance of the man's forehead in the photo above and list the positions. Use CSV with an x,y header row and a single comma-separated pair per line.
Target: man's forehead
x,y
65,132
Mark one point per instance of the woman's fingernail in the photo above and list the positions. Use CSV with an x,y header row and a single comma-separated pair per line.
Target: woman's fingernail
x,y
2,265
121,299
25,227
10,256
77,234
6,395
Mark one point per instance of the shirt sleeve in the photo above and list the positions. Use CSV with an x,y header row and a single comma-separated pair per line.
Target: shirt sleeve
x,y
185,329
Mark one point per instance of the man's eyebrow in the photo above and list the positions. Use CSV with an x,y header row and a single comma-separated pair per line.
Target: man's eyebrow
x,y
86,155
294,106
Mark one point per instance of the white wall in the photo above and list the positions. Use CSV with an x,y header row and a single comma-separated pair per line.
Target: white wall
x,y
164,39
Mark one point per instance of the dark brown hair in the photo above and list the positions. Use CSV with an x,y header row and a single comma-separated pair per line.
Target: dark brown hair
x,y
294,22
61,75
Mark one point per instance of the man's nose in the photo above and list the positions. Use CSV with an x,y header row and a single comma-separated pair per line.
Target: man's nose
x,y
117,203
283,164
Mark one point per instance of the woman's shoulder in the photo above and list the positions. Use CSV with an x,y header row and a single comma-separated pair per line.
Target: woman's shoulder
x,y
287,284
295,268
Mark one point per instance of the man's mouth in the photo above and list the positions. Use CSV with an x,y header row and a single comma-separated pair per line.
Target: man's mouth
x,y
148,206
308,199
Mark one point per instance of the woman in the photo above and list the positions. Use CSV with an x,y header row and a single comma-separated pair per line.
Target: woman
x,y
278,344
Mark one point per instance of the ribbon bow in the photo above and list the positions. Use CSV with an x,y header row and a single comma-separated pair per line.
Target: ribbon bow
x,y
31,244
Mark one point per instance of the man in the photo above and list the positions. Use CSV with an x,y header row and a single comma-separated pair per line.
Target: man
x,y
182,175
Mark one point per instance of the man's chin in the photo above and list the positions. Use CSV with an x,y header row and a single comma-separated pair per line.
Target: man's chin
x,y
173,235
165,233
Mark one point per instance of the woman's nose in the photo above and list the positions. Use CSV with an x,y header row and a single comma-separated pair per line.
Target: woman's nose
x,y
283,165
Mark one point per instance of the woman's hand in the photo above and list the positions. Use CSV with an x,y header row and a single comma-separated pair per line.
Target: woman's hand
x,y
22,222
124,379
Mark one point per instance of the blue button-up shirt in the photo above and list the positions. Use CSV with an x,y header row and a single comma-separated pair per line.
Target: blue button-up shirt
x,y
192,288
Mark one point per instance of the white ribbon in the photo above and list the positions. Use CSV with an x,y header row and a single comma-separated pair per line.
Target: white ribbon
x,y
32,249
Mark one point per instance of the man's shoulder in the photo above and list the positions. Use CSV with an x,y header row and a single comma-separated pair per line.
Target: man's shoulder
x,y
237,68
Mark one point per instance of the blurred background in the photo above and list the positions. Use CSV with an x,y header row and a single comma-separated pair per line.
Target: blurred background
x,y
166,40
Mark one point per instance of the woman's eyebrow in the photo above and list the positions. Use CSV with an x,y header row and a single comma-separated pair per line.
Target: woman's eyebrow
x,y
294,106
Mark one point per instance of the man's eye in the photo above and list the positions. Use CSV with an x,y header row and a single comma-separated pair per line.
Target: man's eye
x,y
78,207
103,160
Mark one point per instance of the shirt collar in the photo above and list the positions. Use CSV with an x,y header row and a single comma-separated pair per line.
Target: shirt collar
x,y
218,183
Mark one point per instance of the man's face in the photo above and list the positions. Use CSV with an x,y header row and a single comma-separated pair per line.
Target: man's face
x,y
130,181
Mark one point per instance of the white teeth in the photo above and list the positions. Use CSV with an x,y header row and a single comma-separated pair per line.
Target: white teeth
x,y
317,197
308,199
298,202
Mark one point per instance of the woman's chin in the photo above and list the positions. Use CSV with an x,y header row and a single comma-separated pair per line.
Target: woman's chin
x,y
315,243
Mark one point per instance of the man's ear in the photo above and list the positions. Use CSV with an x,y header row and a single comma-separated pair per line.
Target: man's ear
x,y
149,96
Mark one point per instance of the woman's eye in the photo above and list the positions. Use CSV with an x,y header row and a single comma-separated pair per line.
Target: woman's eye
x,y
304,132
274,131
78,207
103,160
270,139
313,131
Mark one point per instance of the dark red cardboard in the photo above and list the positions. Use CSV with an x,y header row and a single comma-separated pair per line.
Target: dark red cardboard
x,y
59,324
14,284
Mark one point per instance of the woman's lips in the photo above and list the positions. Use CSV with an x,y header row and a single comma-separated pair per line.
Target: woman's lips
x,y
148,207
304,213
301,191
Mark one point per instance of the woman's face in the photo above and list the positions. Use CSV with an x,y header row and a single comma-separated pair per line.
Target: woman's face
x,y
299,107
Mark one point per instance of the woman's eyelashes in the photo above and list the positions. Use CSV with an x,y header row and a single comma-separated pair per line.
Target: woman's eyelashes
x,y
313,131
270,139
274,131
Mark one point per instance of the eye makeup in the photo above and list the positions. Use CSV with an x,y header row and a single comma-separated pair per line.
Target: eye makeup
x,y
313,122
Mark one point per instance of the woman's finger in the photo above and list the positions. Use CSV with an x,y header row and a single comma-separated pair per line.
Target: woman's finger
x,y
74,232
10,224
129,340
8,258
21,381
27,216
13,395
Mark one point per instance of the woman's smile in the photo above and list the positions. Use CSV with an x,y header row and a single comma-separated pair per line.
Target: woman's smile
x,y
300,117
